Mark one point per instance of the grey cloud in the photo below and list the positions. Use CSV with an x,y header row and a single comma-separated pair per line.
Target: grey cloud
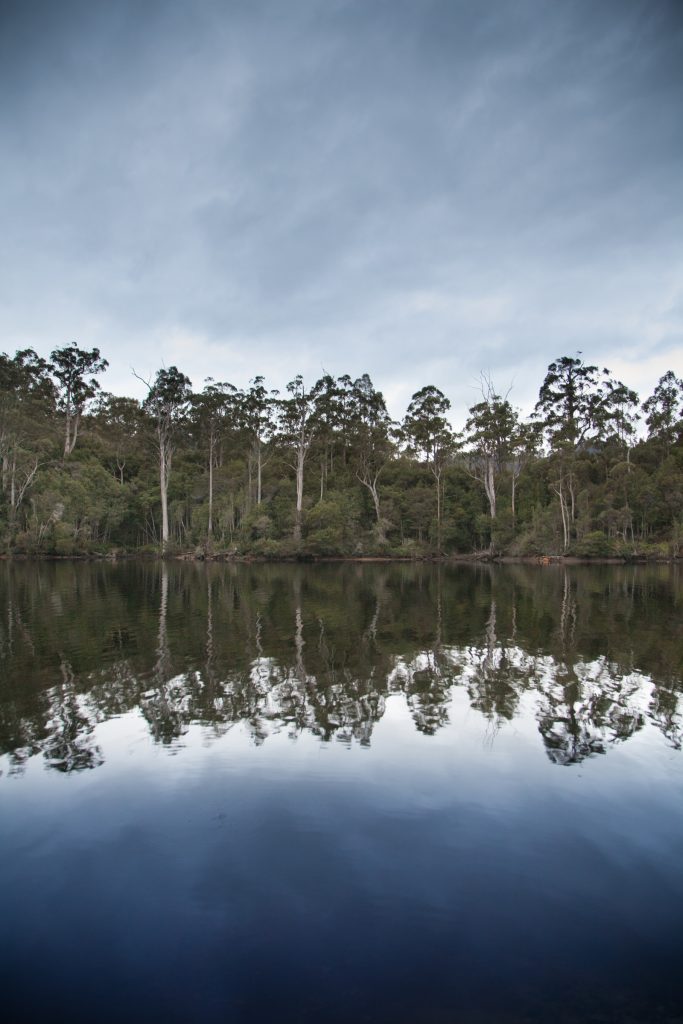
x,y
411,189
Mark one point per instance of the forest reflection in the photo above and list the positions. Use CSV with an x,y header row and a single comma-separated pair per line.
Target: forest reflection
x,y
319,649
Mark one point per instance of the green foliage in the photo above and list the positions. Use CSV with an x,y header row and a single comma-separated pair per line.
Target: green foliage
x,y
71,366
324,471
664,410
332,526
594,545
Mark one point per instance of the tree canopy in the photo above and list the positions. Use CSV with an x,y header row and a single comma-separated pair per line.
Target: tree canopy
x,y
323,470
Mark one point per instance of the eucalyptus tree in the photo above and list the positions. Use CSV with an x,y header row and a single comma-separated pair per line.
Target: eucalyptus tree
x,y
524,450
74,369
338,408
27,402
578,404
328,416
490,436
167,403
372,444
579,407
616,416
255,410
427,432
664,411
296,429
211,410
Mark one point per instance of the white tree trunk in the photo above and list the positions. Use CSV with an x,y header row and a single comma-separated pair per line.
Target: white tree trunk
x,y
300,460
490,486
164,473
209,525
259,468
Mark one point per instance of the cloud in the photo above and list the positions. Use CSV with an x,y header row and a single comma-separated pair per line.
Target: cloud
x,y
422,191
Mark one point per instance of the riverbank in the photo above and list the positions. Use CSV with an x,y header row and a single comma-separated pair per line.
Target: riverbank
x,y
473,558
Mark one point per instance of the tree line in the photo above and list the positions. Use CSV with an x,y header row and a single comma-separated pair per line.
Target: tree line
x,y
322,469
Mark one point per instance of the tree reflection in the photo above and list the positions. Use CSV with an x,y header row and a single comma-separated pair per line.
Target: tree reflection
x,y
586,710
497,675
166,705
69,744
319,649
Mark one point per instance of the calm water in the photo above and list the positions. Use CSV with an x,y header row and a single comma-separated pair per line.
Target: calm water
x,y
341,793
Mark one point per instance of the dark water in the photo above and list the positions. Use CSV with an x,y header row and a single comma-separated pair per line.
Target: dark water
x,y
341,793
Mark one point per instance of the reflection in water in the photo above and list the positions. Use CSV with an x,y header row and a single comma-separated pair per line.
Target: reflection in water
x,y
414,853
321,648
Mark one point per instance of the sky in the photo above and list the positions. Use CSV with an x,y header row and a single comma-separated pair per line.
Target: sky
x,y
424,190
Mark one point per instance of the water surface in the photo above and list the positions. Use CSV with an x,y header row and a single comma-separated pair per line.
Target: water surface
x,y
381,793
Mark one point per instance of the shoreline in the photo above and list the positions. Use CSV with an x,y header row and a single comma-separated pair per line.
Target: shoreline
x,y
475,558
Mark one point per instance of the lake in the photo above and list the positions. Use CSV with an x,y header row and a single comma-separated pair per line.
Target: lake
x,y
357,792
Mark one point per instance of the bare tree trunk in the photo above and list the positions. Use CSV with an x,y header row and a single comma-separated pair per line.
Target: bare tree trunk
x,y
490,486
209,525
565,520
259,469
18,494
250,476
164,472
77,419
300,459
437,477
559,491
375,501
72,422
573,498
67,438
13,484
371,484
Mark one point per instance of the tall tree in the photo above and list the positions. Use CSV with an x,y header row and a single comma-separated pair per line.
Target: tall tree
x,y
296,430
166,404
428,433
27,398
256,408
491,430
211,408
664,410
345,412
578,404
579,407
73,367
372,445
328,409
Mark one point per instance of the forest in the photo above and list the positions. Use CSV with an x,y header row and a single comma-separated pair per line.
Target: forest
x,y
321,469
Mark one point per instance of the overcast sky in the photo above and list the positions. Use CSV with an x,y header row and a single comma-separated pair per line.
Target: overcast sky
x,y
419,189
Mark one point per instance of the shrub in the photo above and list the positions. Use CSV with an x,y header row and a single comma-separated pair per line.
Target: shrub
x,y
593,545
